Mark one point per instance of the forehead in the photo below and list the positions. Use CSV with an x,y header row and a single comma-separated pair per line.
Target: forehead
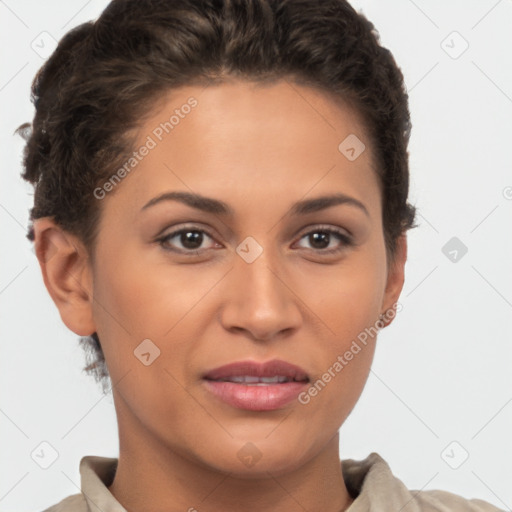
x,y
241,137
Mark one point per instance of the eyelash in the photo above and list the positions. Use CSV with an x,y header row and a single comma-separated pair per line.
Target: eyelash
x,y
343,237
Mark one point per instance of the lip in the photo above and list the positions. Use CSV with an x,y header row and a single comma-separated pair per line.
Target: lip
x,y
256,397
257,369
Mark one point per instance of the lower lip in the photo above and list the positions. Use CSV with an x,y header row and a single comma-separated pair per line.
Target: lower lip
x,y
255,398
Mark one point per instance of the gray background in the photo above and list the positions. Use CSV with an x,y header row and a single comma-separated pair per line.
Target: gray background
x,y
440,388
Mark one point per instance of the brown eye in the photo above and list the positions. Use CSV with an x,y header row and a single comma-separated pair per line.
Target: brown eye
x,y
185,240
327,240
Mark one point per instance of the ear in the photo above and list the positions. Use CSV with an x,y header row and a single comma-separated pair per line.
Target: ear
x,y
395,281
66,273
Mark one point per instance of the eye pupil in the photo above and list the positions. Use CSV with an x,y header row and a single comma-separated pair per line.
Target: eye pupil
x,y
189,238
320,236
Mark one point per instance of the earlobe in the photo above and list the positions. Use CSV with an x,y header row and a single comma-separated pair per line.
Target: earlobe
x,y
395,281
66,274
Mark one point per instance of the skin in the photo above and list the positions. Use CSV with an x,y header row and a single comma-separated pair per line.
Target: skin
x,y
259,149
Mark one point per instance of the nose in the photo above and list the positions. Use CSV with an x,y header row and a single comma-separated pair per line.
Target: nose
x,y
259,299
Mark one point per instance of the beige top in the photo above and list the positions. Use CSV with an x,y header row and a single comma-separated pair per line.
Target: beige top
x,y
371,480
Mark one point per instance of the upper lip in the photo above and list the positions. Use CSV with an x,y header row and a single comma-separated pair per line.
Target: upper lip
x,y
258,369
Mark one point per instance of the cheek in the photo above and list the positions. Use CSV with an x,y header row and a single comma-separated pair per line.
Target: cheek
x,y
348,297
135,303
138,299
349,306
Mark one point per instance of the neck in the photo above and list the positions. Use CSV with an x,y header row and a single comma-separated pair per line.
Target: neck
x,y
154,477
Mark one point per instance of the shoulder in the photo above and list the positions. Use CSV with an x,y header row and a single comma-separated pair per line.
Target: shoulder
x,y
74,503
444,501
374,487
96,474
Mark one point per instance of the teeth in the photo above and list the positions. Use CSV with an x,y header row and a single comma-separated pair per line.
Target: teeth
x,y
261,381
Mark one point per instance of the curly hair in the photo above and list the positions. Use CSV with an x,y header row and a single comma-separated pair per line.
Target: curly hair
x,y
104,76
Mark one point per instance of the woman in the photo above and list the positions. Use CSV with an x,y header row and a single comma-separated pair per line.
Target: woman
x,y
221,212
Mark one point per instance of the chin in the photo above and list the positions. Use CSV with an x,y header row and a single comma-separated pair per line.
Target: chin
x,y
254,460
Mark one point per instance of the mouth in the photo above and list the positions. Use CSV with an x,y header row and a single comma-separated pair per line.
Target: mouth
x,y
254,372
250,380
256,386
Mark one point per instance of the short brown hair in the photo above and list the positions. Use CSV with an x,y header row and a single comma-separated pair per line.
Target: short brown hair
x,y
105,75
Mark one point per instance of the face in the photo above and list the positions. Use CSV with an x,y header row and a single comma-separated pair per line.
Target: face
x,y
265,274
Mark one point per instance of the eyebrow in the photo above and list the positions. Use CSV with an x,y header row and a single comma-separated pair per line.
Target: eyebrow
x,y
217,207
